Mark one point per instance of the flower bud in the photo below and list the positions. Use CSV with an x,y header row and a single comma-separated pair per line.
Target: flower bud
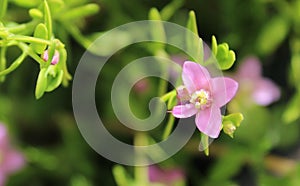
x,y
55,58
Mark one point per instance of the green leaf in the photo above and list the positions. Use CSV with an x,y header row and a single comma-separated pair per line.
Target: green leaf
x,y
292,113
41,83
193,41
56,6
157,29
27,3
121,175
214,45
81,12
48,19
42,33
227,165
272,35
169,10
3,8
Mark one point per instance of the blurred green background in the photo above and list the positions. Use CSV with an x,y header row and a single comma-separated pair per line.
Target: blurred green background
x,y
265,149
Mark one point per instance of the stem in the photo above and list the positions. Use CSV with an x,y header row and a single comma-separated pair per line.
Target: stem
x,y
22,27
205,143
14,65
168,95
169,127
29,39
2,62
31,53
163,84
141,172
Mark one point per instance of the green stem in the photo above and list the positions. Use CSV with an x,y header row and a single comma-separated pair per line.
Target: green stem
x,y
14,65
25,27
169,127
205,141
168,95
141,172
28,39
2,62
31,53
163,84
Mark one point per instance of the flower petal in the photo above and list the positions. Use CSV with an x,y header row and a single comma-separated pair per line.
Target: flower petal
x,y
250,68
209,121
223,90
13,161
194,76
184,111
265,92
182,94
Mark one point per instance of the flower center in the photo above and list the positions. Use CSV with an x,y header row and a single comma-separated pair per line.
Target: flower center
x,y
201,99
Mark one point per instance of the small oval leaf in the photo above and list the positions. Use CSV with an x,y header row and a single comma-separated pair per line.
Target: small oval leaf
x,y
42,33
41,83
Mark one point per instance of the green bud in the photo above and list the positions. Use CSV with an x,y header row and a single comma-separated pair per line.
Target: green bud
x,y
225,57
35,13
41,83
42,33
54,80
231,122
229,128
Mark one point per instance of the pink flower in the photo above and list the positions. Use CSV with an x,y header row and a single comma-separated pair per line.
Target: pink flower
x,y
55,58
262,90
203,96
168,177
10,159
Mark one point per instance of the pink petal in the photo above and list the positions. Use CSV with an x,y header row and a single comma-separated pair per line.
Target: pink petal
x,y
209,121
182,94
194,76
223,90
13,161
250,68
265,92
3,137
184,111
166,176
2,179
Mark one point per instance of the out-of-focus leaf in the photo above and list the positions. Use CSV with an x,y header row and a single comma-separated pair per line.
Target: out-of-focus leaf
x,y
228,165
170,9
81,12
272,35
3,7
56,6
193,41
27,3
157,29
292,112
